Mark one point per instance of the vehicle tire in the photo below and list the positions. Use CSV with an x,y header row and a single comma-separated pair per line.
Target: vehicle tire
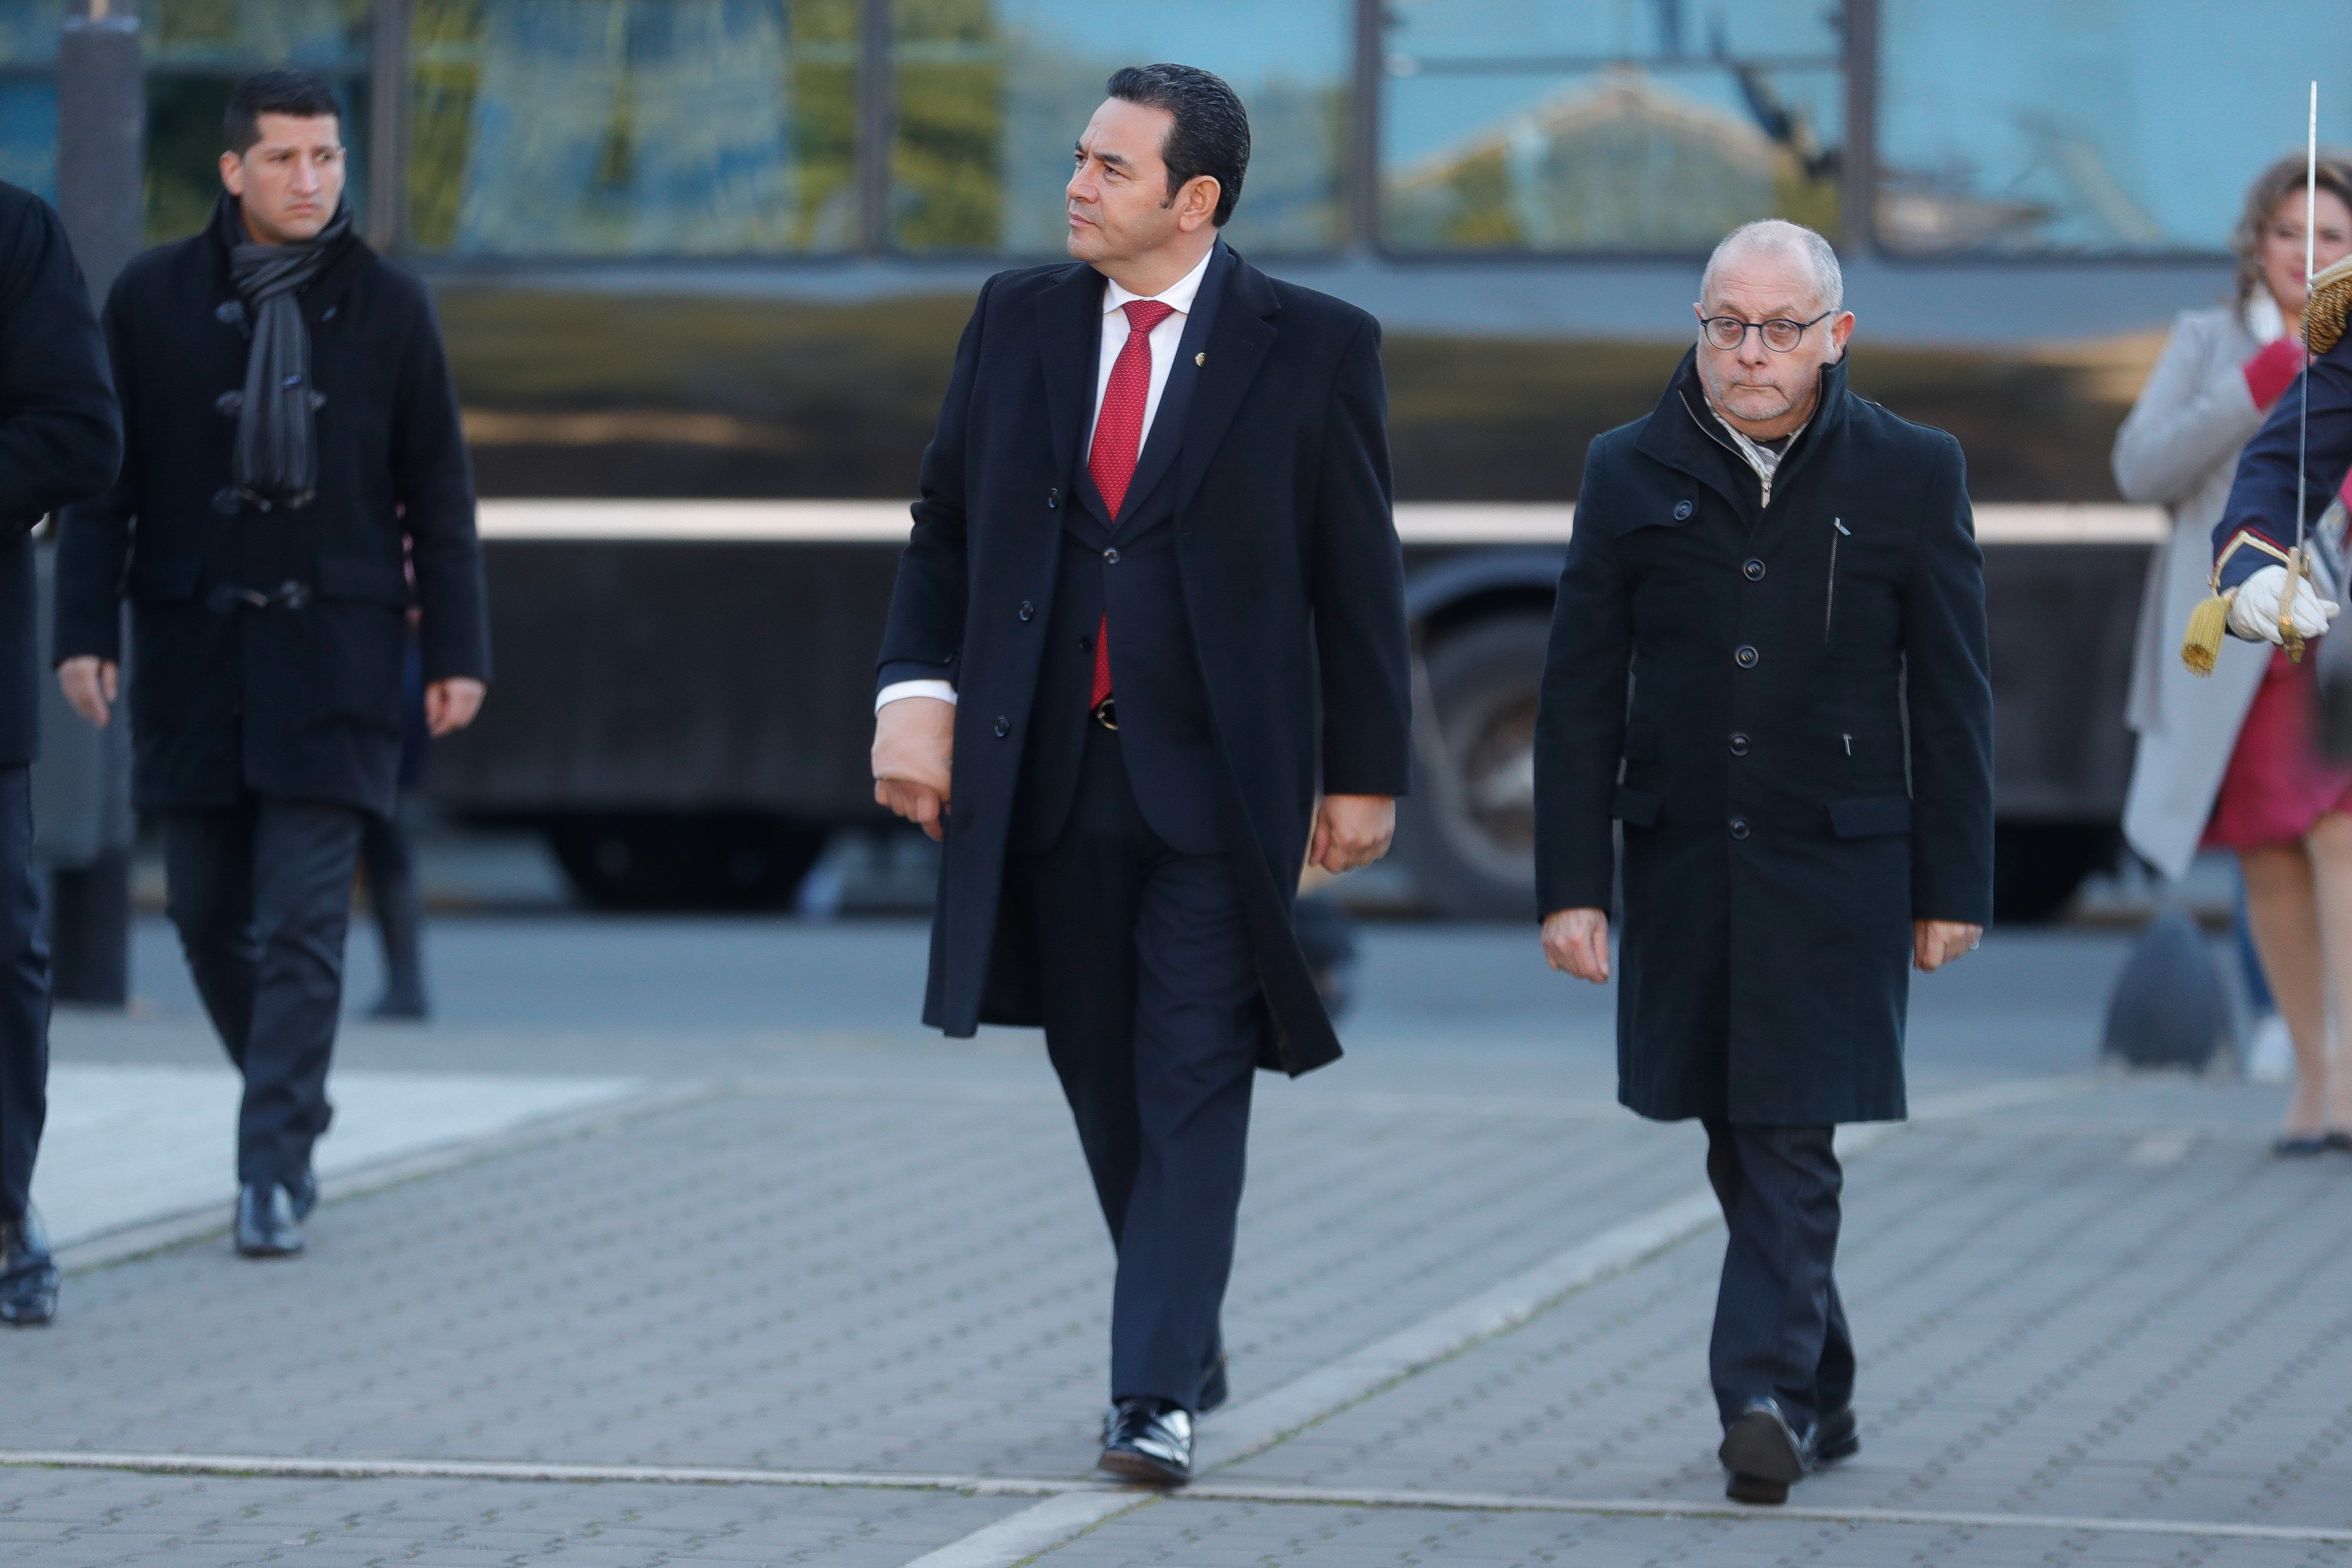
x,y
1467,830
645,861
2037,866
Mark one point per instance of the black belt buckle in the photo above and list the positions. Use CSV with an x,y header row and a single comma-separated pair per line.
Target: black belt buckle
x,y
1106,712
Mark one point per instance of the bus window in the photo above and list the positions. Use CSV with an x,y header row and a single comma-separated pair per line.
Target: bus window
x,y
2017,126
632,127
1518,125
991,95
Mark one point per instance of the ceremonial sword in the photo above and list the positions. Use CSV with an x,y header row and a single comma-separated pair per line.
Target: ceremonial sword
x,y
2288,636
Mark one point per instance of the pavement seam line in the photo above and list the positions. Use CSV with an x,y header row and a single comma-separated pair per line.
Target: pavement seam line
x,y
145,1237
1339,1385
1106,1500
1234,1435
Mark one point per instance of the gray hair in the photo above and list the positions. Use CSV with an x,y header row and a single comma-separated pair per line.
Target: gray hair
x,y
1788,239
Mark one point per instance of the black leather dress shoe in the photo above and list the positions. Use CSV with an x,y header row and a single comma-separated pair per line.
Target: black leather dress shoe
x,y
1834,1437
1214,1391
1763,1455
265,1226
305,1193
28,1274
1142,1442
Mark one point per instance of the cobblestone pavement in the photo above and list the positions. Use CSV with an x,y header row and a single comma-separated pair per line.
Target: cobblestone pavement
x,y
2098,1324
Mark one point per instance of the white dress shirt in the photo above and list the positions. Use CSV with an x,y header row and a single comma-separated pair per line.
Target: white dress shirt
x,y
1163,339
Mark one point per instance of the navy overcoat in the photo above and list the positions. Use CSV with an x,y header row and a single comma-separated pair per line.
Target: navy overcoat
x,y
1788,710
1291,578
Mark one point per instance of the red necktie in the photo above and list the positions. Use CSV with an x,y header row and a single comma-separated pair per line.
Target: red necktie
x,y
1119,435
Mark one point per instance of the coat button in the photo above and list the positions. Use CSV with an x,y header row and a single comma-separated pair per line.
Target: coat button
x,y
1754,570
1681,510
1739,743
1738,827
229,312
1004,726
1052,500
1028,611
1110,558
225,501
229,404
1746,657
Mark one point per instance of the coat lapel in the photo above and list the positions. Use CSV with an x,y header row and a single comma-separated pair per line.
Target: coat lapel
x,y
1069,325
1238,340
1674,436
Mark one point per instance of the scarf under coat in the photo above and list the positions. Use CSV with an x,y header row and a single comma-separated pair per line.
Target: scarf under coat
x,y
276,435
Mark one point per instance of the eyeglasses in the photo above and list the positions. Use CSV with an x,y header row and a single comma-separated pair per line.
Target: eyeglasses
x,y
1781,335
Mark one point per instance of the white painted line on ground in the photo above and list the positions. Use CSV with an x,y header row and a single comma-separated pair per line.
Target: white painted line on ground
x,y
1072,1508
370,1164
1075,1506
1229,1436
1234,1435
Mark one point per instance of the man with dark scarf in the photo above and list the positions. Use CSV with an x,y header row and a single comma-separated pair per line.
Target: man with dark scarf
x,y
291,434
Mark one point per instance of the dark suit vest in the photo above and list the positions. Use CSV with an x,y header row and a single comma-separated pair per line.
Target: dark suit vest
x,y
1128,567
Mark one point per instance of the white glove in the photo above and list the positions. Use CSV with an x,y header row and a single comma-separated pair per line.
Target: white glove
x,y
2254,613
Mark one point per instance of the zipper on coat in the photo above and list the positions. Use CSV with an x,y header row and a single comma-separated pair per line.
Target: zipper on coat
x,y
1829,611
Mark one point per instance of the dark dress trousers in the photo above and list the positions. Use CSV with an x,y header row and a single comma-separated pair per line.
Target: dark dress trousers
x,y
60,441
1787,713
267,641
1131,891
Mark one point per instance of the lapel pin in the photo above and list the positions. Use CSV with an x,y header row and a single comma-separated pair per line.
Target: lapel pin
x,y
1201,358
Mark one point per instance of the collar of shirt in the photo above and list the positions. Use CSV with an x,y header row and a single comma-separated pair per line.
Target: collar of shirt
x,y
1764,459
1177,294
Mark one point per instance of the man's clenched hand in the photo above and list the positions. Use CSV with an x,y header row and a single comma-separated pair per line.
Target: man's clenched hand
x,y
1936,943
1351,831
914,751
1576,942
89,683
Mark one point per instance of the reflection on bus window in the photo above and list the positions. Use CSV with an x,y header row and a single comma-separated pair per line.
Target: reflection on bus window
x,y
1624,125
991,95
29,94
198,50
632,127
2020,126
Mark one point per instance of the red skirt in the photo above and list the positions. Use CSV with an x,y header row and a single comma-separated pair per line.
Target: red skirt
x,y
2277,786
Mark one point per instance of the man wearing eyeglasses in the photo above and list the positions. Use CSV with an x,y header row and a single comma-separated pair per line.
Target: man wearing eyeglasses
x,y
1767,664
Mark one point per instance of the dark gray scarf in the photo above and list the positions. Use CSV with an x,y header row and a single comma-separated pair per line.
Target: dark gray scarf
x,y
277,439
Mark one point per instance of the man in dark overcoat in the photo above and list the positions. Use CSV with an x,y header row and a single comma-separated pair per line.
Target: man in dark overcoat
x,y
1768,665
1152,598
291,431
60,441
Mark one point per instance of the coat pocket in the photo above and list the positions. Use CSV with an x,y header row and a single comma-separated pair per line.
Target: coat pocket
x,y
357,648
1867,816
1636,808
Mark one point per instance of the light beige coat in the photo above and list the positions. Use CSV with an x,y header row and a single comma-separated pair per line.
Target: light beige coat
x,y
2178,449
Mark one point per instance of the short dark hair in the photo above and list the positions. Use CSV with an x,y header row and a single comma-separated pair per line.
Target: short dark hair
x,y
1211,135
284,92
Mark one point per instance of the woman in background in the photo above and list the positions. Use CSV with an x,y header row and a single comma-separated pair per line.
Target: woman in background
x,y
2228,761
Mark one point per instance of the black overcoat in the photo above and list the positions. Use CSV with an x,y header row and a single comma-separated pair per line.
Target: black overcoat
x,y
301,698
1805,763
1291,576
59,438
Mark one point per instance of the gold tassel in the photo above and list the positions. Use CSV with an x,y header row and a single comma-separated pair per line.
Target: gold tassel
x,y
2208,623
